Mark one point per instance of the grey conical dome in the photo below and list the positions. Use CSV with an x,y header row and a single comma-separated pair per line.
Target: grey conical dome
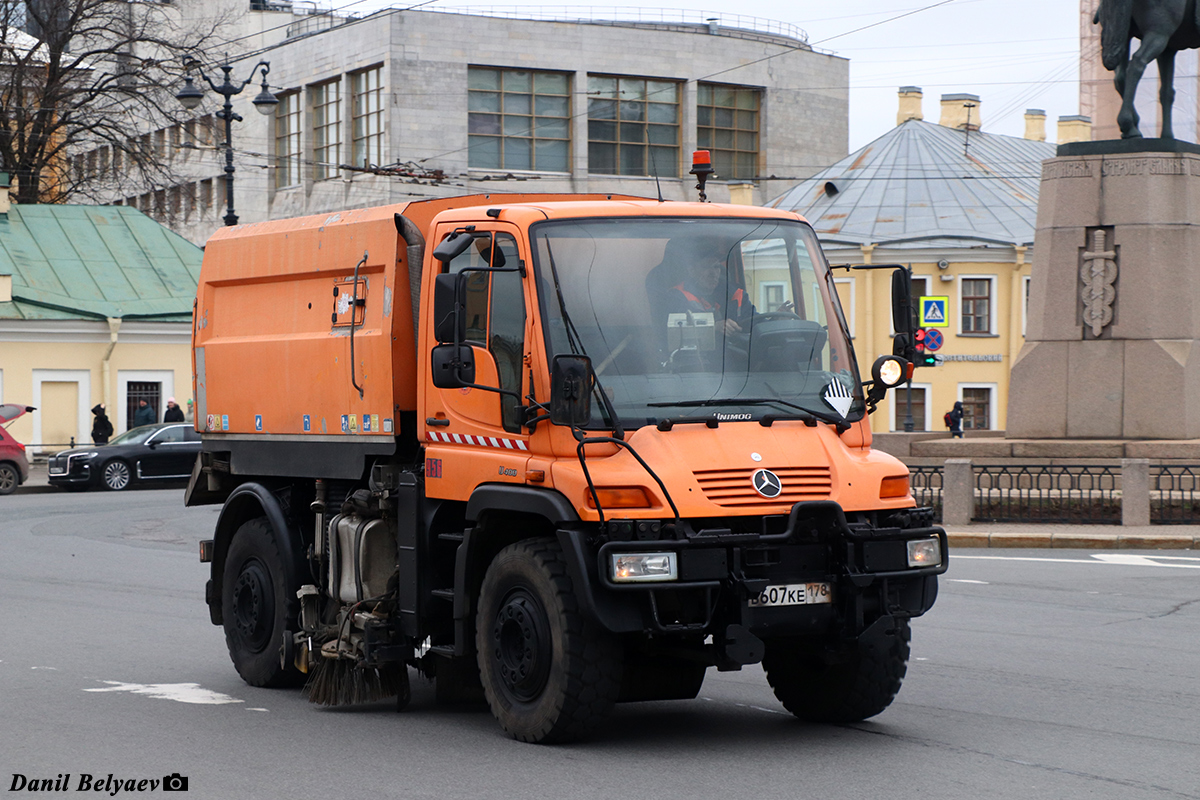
x,y
914,186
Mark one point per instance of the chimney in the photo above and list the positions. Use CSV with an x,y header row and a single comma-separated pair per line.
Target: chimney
x,y
910,104
955,108
1074,129
1035,124
4,201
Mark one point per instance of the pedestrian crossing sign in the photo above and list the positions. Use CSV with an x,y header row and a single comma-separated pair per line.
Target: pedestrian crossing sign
x,y
933,312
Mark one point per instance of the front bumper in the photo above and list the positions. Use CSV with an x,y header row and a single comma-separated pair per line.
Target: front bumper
x,y
70,470
719,571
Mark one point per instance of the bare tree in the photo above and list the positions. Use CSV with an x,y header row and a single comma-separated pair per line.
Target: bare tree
x,y
91,76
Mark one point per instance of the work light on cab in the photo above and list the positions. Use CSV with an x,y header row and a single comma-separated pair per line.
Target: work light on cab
x,y
891,371
644,567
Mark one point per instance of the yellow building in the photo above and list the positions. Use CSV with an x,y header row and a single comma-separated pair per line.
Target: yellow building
x,y
95,307
958,206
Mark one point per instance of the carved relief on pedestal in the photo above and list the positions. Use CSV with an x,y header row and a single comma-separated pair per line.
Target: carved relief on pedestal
x,y
1098,276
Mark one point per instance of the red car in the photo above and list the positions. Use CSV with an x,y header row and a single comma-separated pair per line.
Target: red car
x,y
14,467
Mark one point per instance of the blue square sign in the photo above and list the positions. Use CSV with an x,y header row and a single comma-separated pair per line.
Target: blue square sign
x,y
933,312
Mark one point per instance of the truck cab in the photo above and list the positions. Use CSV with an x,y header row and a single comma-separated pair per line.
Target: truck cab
x,y
610,444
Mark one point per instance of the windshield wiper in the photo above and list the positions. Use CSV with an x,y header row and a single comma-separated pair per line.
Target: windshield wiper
x,y
824,416
576,344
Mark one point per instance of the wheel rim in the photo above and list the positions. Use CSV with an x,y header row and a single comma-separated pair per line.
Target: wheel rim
x,y
8,479
116,475
521,642
253,606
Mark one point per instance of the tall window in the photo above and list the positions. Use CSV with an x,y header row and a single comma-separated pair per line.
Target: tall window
x,y
976,305
518,119
287,140
977,409
727,126
327,129
899,398
368,116
633,126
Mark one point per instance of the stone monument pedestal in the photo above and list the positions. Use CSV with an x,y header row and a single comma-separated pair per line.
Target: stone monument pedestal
x,y
1113,331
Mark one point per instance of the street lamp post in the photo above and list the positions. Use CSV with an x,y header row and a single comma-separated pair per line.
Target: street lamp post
x,y
190,96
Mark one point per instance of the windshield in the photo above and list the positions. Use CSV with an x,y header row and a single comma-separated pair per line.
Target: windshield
x,y
726,319
135,435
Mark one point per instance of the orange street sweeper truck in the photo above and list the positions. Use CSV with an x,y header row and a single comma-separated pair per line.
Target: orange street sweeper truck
x,y
559,451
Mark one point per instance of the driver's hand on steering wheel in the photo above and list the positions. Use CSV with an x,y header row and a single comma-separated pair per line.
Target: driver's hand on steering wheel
x,y
731,326
787,306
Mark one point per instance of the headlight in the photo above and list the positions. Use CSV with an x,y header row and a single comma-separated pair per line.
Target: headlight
x,y
925,552
639,567
92,454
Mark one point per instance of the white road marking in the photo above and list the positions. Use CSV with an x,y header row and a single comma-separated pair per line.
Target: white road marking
x,y
1118,559
179,692
966,580
258,709
55,669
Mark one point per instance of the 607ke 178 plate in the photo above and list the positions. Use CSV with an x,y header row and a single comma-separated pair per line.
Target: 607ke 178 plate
x,y
793,594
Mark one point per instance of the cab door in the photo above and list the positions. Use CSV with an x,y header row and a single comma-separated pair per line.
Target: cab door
x,y
474,433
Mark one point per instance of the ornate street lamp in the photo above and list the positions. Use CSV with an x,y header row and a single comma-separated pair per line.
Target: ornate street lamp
x,y
191,95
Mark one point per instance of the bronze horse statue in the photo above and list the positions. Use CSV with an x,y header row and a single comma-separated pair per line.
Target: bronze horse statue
x,y
1164,27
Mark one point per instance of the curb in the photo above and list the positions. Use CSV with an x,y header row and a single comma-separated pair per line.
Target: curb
x,y
1078,541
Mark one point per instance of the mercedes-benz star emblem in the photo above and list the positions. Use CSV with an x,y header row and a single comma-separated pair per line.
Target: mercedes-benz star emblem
x,y
766,483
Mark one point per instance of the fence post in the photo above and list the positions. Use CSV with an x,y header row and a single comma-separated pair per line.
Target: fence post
x,y
1135,491
958,492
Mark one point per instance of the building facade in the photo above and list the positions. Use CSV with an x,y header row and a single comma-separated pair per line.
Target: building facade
x,y
957,205
95,307
411,104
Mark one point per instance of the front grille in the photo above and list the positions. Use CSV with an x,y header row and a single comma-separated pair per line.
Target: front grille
x,y
732,488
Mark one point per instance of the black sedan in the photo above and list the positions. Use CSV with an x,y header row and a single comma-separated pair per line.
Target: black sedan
x,y
149,454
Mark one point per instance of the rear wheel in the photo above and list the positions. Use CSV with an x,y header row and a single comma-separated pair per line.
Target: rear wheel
x,y
9,479
115,475
257,606
550,674
849,683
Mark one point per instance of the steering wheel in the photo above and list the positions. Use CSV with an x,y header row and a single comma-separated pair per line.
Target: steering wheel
x,y
777,314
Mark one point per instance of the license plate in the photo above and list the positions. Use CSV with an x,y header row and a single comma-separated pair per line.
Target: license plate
x,y
793,594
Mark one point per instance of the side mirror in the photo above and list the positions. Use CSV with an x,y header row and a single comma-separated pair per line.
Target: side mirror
x,y
903,314
152,444
453,366
452,246
571,380
449,291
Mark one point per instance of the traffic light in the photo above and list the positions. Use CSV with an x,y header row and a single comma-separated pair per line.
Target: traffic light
x,y
924,357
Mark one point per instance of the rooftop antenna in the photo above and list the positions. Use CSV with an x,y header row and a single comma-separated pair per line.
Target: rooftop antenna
x,y
967,140
702,168
654,166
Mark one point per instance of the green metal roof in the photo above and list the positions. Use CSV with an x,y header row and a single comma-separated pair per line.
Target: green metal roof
x,y
93,262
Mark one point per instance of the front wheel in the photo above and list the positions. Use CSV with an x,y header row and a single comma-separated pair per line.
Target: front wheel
x,y
257,605
848,683
115,475
549,674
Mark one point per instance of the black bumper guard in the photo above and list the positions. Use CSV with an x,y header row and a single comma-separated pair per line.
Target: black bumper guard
x,y
816,511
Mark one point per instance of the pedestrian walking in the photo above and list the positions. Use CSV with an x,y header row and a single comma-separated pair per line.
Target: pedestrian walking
x,y
953,420
102,427
174,413
145,415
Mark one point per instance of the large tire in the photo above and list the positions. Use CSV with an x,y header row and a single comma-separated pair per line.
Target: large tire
x,y
258,606
115,475
10,479
847,684
549,674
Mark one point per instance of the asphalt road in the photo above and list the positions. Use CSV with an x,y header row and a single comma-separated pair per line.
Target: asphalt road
x,y
1039,674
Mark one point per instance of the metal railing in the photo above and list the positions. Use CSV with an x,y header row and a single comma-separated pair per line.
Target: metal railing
x,y
1079,494
615,15
1175,494
926,485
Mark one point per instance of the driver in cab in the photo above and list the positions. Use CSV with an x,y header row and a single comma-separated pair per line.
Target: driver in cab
x,y
704,289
